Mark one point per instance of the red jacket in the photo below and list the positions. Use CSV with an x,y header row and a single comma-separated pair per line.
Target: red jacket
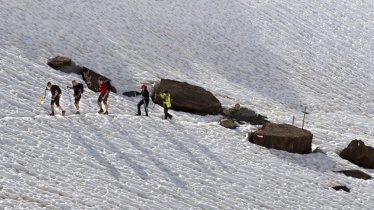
x,y
103,89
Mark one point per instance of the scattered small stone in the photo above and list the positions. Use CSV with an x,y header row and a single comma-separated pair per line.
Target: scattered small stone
x,y
339,188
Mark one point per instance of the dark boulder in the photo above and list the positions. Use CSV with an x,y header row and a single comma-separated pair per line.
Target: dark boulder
x,y
59,61
131,93
283,137
91,79
360,154
187,98
244,114
356,174
341,187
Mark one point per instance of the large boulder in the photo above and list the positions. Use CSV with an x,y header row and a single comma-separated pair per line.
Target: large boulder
x,y
283,137
59,61
91,79
239,113
187,98
360,154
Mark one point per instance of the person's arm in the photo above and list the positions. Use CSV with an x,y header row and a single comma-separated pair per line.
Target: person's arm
x,y
54,96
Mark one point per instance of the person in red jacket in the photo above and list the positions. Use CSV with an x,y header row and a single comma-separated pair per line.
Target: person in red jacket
x,y
103,97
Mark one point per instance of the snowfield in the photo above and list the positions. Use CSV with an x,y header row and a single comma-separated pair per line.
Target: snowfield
x,y
275,57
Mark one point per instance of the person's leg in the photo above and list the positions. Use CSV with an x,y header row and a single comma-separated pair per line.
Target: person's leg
x,y
57,102
146,108
169,115
52,108
165,112
76,103
105,101
99,100
139,105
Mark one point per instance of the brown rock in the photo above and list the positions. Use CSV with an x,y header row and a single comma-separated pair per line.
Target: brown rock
x,y
360,154
187,98
59,61
283,137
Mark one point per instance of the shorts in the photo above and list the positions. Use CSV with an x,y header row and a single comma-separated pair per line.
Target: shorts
x,y
77,99
101,99
56,101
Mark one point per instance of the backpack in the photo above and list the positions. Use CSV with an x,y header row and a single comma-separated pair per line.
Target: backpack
x,y
108,85
81,87
57,89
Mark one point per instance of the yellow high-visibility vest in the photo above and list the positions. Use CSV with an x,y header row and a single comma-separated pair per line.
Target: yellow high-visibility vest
x,y
166,99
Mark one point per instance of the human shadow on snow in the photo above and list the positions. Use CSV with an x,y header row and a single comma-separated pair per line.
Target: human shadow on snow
x,y
112,170
138,169
148,153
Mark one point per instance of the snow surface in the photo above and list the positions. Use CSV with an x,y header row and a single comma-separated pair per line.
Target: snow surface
x,y
272,56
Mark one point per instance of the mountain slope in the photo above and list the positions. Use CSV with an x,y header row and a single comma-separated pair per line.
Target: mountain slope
x,y
273,56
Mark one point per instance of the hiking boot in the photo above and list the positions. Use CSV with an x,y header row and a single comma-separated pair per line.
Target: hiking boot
x,y
63,113
52,114
100,111
106,113
138,114
77,112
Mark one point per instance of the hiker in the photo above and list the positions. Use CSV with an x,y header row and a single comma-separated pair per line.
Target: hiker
x,y
55,98
166,103
103,97
145,100
78,90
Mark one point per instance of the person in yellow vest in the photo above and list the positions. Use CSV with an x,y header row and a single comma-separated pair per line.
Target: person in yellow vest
x,y
165,96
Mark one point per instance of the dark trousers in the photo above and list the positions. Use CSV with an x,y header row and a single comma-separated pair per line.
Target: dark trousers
x,y
166,112
145,107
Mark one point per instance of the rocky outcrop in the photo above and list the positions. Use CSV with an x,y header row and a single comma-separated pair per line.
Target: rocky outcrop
x,y
283,137
360,154
228,123
66,65
187,98
240,114
356,174
59,61
91,79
